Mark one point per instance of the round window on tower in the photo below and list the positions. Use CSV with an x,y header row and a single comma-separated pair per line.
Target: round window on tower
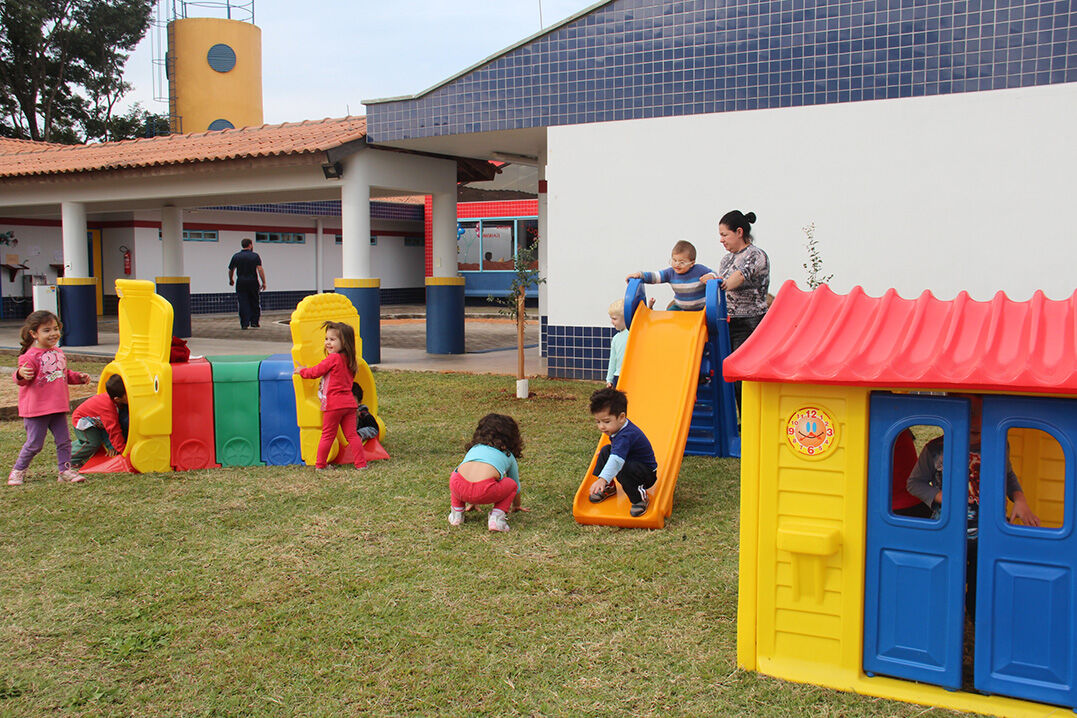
x,y
221,57
220,125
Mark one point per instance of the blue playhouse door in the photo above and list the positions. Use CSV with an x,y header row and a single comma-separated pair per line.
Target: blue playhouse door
x,y
914,592
1026,646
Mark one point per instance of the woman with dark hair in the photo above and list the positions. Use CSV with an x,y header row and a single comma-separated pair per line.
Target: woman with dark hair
x,y
744,274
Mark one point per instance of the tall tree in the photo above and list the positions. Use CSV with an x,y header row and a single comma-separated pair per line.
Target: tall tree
x,y
61,65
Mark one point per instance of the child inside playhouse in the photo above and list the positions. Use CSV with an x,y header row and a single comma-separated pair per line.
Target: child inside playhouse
x,y
685,277
97,423
628,457
925,482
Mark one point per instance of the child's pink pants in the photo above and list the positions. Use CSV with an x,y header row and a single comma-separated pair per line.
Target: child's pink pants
x,y
491,491
345,419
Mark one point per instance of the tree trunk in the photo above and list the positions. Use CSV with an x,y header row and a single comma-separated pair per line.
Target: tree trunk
x,y
520,320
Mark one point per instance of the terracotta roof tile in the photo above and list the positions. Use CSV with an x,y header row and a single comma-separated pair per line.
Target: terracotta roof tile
x,y
11,144
821,337
22,158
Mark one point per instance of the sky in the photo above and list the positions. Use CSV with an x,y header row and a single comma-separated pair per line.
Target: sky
x,y
321,58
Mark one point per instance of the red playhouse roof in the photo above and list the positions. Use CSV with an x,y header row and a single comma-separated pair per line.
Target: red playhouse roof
x,y
820,337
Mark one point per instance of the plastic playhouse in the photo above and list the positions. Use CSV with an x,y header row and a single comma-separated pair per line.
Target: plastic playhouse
x,y
224,410
840,588
671,373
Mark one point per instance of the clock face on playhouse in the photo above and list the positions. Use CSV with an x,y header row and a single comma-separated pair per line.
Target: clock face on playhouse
x,y
811,431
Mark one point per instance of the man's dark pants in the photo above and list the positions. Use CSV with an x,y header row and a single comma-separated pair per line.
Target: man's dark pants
x,y
250,313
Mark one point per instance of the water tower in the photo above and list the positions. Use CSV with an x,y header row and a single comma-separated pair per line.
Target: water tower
x,y
213,64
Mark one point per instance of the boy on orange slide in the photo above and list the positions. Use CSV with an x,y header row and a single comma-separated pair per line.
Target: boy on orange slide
x,y
628,457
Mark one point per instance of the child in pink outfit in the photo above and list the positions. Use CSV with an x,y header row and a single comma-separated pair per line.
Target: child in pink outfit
x,y
44,401
339,406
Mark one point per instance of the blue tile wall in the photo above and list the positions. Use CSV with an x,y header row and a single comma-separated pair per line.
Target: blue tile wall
x,y
544,322
330,208
16,307
577,352
632,59
225,302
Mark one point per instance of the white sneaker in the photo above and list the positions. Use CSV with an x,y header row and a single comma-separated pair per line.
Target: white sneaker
x,y
70,475
15,477
456,516
497,521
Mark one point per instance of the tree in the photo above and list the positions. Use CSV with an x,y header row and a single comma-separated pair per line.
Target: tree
x,y
61,65
136,122
524,276
814,265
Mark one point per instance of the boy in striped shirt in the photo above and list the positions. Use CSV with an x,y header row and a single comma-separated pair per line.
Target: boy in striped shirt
x,y
684,276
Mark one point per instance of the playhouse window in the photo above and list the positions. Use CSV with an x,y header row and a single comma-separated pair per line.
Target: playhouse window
x,y
1040,465
905,453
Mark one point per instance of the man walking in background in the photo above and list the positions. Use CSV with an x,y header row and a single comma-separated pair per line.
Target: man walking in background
x,y
245,271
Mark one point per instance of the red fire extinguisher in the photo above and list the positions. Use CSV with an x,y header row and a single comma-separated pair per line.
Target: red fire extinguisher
x,y
126,259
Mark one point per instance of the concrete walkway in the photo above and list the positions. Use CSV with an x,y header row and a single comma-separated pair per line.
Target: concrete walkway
x,y
490,340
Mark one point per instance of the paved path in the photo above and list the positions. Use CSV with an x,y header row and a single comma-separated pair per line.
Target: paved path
x,y
490,340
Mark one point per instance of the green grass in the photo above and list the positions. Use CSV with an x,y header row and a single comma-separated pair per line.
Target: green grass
x,y
278,592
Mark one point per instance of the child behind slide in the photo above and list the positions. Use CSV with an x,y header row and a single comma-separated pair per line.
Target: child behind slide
x,y
618,343
686,278
489,473
628,457
97,423
44,401
366,424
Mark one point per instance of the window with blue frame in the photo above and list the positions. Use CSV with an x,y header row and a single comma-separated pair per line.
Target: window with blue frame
x,y
196,235
280,237
337,239
489,244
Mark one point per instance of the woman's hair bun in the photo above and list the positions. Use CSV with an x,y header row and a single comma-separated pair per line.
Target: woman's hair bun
x,y
750,216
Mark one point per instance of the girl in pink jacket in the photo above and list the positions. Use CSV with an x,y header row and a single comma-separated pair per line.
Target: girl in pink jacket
x,y
43,377
337,371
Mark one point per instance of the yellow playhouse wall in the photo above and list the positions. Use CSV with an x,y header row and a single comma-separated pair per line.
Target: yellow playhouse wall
x,y
802,549
1040,465
803,526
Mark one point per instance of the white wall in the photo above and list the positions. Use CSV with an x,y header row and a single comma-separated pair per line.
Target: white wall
x,y
396,265
112,238
969,191
287,266
38,247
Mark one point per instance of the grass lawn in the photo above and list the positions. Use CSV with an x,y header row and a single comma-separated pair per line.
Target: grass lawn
x,y
278,592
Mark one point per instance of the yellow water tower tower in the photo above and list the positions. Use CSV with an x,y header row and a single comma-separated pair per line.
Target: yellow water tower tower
x,y
214,70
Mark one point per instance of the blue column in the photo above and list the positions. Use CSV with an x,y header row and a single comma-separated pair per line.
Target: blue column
x,y
445,315
177,290
77,297
365,296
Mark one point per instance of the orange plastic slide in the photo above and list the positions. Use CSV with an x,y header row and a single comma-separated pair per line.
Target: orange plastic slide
x,y
659,375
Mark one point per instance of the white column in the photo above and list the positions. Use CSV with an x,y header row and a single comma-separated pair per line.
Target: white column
x,y
355,219
443,252
172,242
543,239
319,279
76,251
